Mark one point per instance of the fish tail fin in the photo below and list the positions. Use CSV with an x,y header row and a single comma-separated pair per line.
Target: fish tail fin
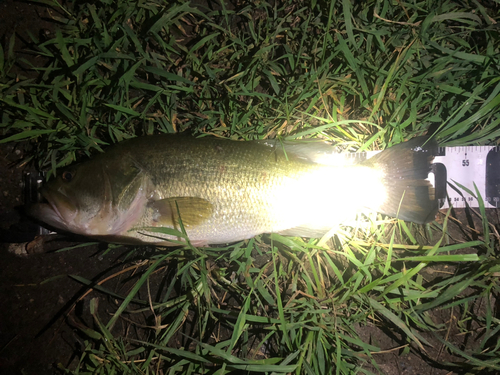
x,y
410,196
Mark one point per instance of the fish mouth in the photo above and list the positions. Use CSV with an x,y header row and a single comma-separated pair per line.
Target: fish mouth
x,y
55,210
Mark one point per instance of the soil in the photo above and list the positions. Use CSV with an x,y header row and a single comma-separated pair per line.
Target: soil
x,y
36,292
41,302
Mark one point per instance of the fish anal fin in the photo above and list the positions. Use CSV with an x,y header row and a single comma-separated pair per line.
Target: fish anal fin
x,y
304,231
192,211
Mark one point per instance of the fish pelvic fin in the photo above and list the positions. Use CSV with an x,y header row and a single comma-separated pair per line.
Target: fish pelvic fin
x,y
406,166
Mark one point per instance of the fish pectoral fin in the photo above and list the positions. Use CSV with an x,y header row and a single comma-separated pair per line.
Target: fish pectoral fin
x,y
192,211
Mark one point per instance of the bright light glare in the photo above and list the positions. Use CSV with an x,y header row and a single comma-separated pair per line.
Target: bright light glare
x,y
327,196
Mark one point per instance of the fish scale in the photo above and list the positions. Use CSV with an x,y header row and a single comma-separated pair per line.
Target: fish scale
x,y
245,192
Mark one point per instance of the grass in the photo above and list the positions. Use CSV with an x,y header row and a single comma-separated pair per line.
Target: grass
x,y
365,75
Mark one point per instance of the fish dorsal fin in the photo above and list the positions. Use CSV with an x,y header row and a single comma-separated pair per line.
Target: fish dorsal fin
x,y
315,151
193,211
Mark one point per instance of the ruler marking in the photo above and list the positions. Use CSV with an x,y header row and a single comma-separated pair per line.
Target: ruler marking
x,y
467,165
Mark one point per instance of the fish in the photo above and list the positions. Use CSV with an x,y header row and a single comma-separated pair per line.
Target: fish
x,y
158,189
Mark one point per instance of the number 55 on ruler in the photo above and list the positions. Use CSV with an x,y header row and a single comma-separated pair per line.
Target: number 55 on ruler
x,y
467,165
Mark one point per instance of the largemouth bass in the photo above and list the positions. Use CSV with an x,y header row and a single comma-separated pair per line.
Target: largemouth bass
x,y
224,191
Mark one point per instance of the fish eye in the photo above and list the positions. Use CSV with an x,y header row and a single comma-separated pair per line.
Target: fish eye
x,y
67,176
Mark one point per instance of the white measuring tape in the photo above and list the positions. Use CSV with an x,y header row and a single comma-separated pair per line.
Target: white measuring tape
x,y
467,165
